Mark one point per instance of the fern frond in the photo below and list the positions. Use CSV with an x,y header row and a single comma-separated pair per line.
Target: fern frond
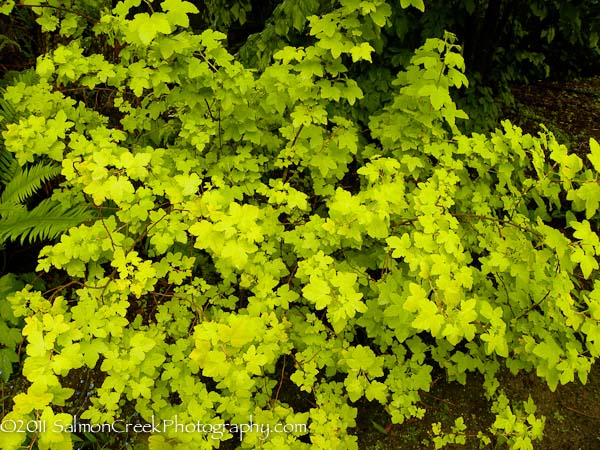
x,y
12,209
29,77
7,111
6,41
26,181
8,163
46,221
8,166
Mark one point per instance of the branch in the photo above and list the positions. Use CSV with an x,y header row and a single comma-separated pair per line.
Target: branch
x,y
59,8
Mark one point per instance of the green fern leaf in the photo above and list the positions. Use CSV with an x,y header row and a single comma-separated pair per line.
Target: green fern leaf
x,y
7,111
26,181
46,221
28,77
11,209
8,166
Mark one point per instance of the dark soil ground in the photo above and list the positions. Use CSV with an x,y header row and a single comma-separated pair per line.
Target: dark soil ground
x,y
572,415
571,111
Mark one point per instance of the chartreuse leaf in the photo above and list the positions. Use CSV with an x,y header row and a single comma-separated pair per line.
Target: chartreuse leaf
x,y
177,12
594,155
145,27
54,436
362,51
429,318
586,260
7,6
45,67
416,3
317,291
589,195
417,297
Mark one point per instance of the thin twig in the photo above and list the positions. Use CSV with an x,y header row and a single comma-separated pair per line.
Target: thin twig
x,y
280,380
582,413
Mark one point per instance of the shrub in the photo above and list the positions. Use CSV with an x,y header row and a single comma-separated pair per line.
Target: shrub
x,y
260,235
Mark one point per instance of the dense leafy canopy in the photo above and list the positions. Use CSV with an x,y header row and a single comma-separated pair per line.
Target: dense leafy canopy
x,y
302,217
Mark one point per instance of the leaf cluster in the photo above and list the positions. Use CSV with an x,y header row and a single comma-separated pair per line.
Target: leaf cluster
x,y
48,218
